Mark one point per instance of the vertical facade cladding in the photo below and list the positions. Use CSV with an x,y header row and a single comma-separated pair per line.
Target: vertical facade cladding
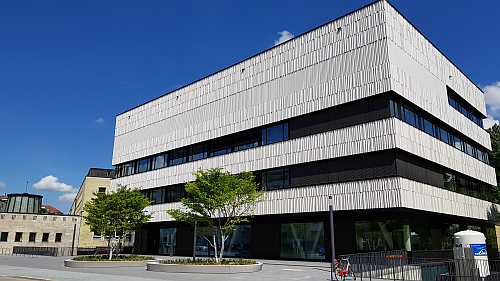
x,y
363,110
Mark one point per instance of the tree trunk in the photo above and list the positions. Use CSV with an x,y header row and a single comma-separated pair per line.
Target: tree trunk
x,y
215,247
110,250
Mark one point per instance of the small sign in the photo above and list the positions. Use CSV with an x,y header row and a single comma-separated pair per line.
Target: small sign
x,y
479,249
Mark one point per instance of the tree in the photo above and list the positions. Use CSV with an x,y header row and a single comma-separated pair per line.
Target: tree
x,y
494,156
113,214
219,200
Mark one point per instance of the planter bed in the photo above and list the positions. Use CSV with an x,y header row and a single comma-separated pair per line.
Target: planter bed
x,y
181,268
84,264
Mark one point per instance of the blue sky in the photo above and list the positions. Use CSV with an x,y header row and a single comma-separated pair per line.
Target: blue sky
x,y
67,68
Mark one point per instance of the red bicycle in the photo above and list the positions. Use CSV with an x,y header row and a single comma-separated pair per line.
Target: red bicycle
x,y
341,271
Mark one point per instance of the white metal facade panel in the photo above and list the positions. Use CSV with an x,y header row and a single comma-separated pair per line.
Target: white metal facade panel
x,y
419,196
394,192
369,137
417,142
325,67
420,73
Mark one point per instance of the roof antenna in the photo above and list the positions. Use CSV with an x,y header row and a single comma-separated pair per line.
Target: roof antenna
x,y
27,186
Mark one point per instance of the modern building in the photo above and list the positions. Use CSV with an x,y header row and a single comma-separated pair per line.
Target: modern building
x,y
363,113
96,181
24,226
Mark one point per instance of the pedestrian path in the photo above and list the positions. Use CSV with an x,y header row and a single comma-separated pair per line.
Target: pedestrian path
x,y
52,268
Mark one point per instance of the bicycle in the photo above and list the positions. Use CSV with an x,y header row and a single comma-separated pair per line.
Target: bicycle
x,y
340,271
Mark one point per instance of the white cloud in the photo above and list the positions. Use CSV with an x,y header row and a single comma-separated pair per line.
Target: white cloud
x,y
2,185
52,183
489,122
492,98
285,36
68,197
100,120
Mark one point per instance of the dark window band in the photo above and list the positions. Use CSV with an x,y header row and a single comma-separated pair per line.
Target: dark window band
x,y
464,107
422,121
373,165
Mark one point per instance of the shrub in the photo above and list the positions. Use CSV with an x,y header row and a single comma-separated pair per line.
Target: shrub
x,y
115,258
209,262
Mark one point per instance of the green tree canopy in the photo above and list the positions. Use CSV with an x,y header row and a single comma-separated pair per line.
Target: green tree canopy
x,y
114,213
219,200
494,156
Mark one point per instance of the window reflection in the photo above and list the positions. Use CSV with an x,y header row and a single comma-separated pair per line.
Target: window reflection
x,y
236,245
276,179
302,240
167,241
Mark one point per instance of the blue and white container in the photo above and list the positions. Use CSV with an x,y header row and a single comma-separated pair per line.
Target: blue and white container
x,y
469,239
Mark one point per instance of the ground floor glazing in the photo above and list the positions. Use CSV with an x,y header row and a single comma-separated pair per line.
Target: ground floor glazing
x,y
307,236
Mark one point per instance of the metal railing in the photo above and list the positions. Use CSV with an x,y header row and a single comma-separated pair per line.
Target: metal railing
x,y
396,265
42,251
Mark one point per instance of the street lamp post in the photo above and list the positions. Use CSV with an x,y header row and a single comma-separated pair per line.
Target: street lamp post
x,y
332,238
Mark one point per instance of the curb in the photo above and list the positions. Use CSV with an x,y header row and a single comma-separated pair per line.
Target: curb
x,y
211,269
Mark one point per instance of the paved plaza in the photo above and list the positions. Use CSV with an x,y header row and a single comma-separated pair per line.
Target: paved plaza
x,y
52,268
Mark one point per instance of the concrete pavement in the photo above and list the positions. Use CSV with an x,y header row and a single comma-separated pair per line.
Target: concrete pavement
x,y
52,268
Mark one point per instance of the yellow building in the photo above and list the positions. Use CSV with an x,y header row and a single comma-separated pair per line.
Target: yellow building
x,y
97,180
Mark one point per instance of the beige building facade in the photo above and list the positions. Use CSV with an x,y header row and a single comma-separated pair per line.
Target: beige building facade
x,y
36,230
96,181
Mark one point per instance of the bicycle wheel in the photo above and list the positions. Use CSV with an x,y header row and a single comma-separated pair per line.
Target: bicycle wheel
x,y
333,271
353,275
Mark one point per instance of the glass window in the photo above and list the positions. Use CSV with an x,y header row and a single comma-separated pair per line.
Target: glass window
x,y
175,193
128,169
142,165
156,196
101,190
159,161
428,127
391,106
274,134
31,202
220,152
24,204
32,237
19,237
58,237
452,102
285,131
197,152
302,240
167,241
457,142
449,182
410,117
38,203
382,235
444,135
275,179
468,149
177,157
4,236
264,136
166,195
45,237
